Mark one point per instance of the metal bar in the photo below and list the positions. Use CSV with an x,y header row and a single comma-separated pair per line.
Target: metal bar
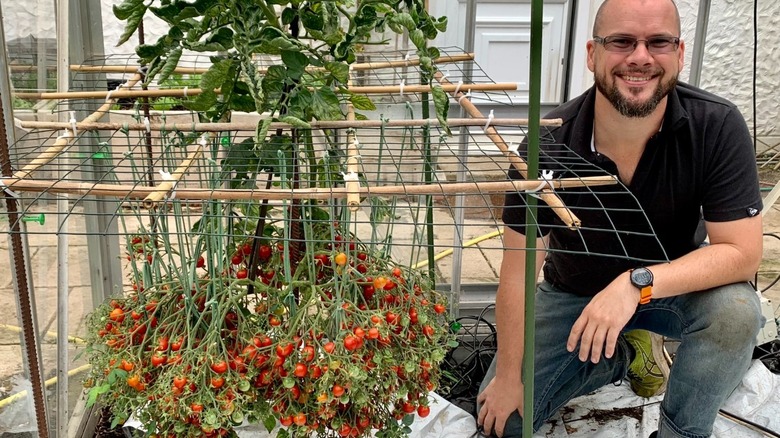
x,y
19,255
534,104
697,59
63,281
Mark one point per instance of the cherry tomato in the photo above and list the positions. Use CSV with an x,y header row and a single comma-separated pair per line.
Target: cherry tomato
x,y
201,262
117,315
284,350
219,367
439,308
423,411
217,382
237,259
329,347
159,360
242,273
338,390
196,407
264,253
373,333
300,370
127,366
299,419
179,382
340,259
427,330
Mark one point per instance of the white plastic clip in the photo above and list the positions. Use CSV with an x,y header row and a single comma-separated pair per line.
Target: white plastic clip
x,y
184,92
401,87
73,123
407,57
167,177
351,176
490,118
203,141
457,88
444,74
127,154
10,192
148,125
465,96
547,176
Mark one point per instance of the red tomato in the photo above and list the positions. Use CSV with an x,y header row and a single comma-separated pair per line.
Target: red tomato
x,y
329,347
117,315
201,262
127,366
219,367
300,370
439,308
217,382
299,419
196,407
408,407
351,343
179,382
373,333
284,350
286,421
264,253
159,360
242,273
423,411
308,353
338,390
428,330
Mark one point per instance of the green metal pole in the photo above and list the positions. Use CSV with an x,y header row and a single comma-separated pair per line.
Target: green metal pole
x,y
534,103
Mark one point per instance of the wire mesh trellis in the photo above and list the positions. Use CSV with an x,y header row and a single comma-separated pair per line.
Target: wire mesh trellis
x,y
307,221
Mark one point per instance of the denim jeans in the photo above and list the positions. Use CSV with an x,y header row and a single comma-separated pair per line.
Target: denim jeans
x,y
717,331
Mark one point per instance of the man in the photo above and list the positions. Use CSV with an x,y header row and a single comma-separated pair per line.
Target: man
x,y
681,152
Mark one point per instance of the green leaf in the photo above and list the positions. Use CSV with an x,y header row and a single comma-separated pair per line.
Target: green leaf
x,y
134,19
405,20
294,121
408,420
418,38
124,10
170,64
441,103
95,392
295,61
311,20
339,70
326,105
441,24
362,102
269,421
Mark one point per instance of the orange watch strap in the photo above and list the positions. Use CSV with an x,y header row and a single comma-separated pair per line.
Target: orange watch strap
x,y
645,294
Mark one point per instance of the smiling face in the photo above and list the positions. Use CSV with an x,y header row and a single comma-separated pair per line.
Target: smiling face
x,y
636,83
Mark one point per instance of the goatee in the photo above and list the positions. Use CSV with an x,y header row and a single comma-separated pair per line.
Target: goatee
x,y
631,109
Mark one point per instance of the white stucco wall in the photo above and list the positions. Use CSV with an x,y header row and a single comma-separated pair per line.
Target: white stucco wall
x,y
728,57
727,68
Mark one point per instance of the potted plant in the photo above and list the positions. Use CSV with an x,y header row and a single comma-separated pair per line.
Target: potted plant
x,y
271,315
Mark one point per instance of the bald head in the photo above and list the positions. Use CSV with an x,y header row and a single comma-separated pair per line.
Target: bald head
x,y
597,24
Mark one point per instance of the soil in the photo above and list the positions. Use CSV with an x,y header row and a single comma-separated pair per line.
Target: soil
x,y
103,427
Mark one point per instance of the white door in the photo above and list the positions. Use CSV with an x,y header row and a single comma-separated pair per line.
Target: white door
x,y
502,42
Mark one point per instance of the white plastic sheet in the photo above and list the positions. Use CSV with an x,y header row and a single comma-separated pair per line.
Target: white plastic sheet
x,y
611,412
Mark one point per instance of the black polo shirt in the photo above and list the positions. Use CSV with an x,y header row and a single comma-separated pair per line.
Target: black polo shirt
x,y
701,162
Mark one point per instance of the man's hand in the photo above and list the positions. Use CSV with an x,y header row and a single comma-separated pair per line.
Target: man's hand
x,y
498,400
598,327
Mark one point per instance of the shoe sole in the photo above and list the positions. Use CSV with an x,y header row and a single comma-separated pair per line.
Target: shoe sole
x,y
657,348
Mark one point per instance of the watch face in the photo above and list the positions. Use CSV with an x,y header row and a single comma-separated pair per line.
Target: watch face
x,y
641,277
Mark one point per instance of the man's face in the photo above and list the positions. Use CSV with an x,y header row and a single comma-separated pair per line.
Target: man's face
x,y
636,82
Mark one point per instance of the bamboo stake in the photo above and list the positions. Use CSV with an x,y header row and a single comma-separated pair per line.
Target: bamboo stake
x,y
180,92
63,141
546,195
200,70
169,183
315,124
138,192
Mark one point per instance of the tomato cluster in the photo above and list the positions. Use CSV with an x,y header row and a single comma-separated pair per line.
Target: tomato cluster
x,y
343,343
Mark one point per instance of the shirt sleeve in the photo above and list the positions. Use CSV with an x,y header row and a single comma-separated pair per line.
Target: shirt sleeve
x,y
731,182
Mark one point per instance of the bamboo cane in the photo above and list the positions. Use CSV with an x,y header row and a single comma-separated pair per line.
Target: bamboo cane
x,y
181,92
63,141
137,192
200,70
165,187
546,195
315,124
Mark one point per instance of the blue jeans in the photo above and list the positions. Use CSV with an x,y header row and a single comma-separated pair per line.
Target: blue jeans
x,y
717,331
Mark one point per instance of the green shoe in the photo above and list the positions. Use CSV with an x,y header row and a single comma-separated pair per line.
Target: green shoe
x,y
648,372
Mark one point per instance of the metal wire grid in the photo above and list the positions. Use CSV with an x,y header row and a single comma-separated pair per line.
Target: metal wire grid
x,y
127,169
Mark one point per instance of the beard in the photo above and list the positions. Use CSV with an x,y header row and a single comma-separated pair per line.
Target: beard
x,y
633,109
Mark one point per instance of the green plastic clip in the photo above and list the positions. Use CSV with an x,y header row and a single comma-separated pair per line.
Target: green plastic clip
x,y
40,218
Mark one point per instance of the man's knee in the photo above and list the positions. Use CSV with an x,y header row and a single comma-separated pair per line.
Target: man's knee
x,y
735,318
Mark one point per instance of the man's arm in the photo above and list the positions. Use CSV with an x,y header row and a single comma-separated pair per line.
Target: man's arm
x,y
504,393
733,255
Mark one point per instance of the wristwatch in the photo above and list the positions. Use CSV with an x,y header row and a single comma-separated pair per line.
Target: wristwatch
x,y
643,279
